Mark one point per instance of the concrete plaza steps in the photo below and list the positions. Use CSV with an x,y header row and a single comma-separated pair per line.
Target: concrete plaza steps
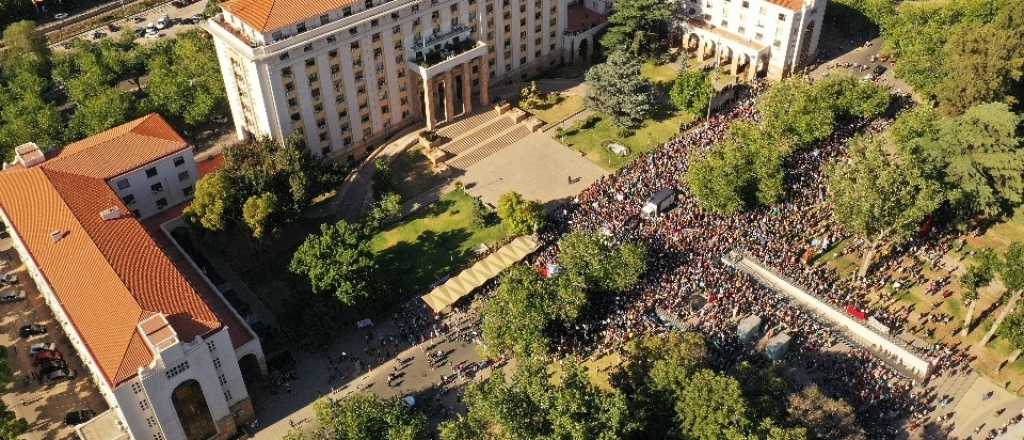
x,y
503,140
466,124
475,137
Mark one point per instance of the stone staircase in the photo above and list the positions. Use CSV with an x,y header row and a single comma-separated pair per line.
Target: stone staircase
x,y
460,127
496,143
470,140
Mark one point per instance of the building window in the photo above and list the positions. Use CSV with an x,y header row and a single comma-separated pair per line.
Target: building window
x,y
227,395
158,436
177,369
161,203
156,187
188,191
179,161
183,176
324,19
136,387
151,172
782,17
129,199
223,380
143,405
123,183
216,363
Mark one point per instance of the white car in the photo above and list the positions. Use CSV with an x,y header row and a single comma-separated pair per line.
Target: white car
x,y
41,346
163,22
152,32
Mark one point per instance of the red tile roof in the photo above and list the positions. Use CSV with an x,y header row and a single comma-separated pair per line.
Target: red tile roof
x,y
270,15
793,5
120,149
107,274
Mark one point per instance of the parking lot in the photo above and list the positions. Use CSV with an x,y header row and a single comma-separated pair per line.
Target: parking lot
x,y
180,20
43,405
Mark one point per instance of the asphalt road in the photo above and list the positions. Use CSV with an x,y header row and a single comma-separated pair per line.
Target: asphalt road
x,y
133,23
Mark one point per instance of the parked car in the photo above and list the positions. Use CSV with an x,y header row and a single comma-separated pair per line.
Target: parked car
x,y
10,297
51,366
60,16
98,35
44,356
79,417
31,330
152,32
196,19
113,27
178,4
163,22
40,346
57,376
9,279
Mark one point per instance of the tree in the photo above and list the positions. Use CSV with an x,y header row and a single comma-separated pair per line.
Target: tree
x,y
109,108
258,213
25,46
791,109
365,417
531,97
692,91
185,84
880,196
824,417
1011,273
387,209
11,426
209,206
639,27
991,56
28,118
617,88
337,261
710,407
850,98
741,172
520,216
516,318
600,265
976,276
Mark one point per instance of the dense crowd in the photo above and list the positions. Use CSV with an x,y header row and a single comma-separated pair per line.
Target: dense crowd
x,y
687,278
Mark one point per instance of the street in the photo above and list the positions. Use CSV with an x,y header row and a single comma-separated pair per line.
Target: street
x,y
142,20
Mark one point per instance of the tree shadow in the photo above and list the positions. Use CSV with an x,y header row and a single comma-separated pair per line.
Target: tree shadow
x,y
412,267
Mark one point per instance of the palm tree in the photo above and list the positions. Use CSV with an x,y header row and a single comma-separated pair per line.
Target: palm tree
x,y
1011,272
977,276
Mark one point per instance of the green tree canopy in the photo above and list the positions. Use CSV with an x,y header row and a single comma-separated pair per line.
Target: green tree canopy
x,y
600,265
365,417
258,212
639,27
879,195
516,318
692,91
617,89
337,261
518,215
741,172
826,418
711,407
185,83
209,206
25,47
791,109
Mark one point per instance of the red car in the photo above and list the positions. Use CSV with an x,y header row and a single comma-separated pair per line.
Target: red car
x,y
44,356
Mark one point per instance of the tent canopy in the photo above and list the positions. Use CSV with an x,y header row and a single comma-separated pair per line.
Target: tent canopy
x,y
465,282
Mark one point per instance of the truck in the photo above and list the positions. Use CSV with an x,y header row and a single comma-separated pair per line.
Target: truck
x,y
659,202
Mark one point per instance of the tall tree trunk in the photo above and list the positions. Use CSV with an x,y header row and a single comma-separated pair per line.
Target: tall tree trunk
x,y
1002,315
968,318
869,257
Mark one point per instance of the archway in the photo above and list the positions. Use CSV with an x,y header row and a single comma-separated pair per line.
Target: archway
x,y
193,412
692,42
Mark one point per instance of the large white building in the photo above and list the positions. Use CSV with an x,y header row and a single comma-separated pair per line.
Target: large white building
x,y
165,349
753,38
346,74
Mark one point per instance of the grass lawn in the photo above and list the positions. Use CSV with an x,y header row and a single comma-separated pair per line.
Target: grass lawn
x,y
566,106
592,141
435,243
662,73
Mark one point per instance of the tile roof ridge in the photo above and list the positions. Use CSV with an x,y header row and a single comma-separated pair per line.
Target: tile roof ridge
x,y
134,125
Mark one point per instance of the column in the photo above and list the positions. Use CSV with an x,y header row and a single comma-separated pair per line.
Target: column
x,y
428,103
752,68
734,60
449,96
467,88
485,81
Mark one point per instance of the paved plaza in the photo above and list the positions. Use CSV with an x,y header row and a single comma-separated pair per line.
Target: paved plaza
x,y
538,167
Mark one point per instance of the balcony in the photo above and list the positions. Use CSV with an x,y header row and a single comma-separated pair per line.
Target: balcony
x,y
430,43
445,57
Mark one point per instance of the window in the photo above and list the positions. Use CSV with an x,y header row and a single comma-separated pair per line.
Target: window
x,y
129,200
227,395
123,184
136,387
300,28
188,191
143,404
151,422
177,369
179,161
183,176
156,187
223,380
331,39
310,62
161,203
324,19
151,172
212,346
216,363
782,17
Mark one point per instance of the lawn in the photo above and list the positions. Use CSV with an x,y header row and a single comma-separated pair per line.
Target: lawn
x,y
592,142
659,73
435,243
565,106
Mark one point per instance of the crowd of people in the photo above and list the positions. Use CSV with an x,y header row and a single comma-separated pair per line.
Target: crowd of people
x,y
687,278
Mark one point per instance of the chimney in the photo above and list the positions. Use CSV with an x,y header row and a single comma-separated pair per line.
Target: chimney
x,y
57,234
28,155
111,213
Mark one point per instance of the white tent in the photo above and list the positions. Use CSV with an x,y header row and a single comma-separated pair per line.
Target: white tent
x,y
465,282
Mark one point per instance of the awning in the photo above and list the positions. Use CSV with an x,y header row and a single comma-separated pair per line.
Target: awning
x,y
465,282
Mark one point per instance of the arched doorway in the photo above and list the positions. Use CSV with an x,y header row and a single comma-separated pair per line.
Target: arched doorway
x,y
251,372
193,412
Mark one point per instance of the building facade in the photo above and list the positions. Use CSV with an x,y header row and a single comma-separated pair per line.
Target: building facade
x,y
167,352
346,74
161,184
753,38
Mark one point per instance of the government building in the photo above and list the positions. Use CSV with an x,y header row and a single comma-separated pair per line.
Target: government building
x,y
346,74
753,38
